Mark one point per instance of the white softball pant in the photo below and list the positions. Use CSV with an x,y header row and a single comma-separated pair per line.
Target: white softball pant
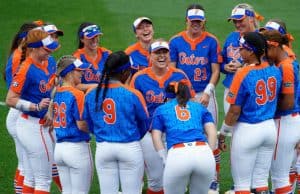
x,y
37,145
119,163
75,166
212,106
288,128
153,164
11,119
226,105
189,163
252,148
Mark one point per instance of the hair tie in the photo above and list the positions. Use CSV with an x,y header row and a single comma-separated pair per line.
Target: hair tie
x,y
259,17
273,43
175,85
290,37
39,22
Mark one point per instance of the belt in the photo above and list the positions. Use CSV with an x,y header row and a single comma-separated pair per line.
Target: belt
x,y
25,116
195,143
292,114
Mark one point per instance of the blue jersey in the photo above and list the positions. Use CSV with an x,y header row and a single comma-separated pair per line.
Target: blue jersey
x,y
152,88
195,57
68,106
13,64
33,82
181,125
230,53
123,116
255,89
139,56
289,69
92,74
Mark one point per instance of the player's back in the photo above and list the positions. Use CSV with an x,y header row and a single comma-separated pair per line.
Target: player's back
x,y
68,108
255,88
121,117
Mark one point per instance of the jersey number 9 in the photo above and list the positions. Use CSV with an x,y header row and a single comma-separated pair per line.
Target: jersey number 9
x,y
265,91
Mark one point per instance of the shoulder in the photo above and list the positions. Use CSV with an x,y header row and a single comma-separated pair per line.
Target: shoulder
x,y
131,48
176,36
140,74
212,36
104,50
78,52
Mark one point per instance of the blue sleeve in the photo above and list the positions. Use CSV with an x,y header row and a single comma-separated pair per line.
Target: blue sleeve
x,y
74,109
173,51
143,121
8,72
207,117
214,51
86,115
157,121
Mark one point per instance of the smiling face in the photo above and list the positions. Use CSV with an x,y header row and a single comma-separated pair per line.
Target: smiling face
x,y
41,54
92,43
144,32
160,58
195,27
244,25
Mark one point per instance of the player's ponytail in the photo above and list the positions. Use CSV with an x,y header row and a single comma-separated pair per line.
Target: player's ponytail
x,y
116,67
181,90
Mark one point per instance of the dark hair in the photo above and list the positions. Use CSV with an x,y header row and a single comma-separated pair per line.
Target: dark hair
x,y
21,34
82,25
181,90
275,36
194,6
257,41
114,61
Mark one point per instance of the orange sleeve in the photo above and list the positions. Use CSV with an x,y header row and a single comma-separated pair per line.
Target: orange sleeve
x,y
79,96
20,77
288,77
140,97
236,84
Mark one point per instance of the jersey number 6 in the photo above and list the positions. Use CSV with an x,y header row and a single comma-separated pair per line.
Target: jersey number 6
x,y
182,114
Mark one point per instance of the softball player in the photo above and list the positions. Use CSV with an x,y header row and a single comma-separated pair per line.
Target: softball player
x,y
253,98
287,115
30,93
118,127
89,52
190,158
151,82
244,19
139,52
197,53
10,69
72,152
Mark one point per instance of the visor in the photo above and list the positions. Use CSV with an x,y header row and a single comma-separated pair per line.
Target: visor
x,y
51,29
195,14
273,26
139,20
240,13
159,45
90,31
48,43
77,65
244,44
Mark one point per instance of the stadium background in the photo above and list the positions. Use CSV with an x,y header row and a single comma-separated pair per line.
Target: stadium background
x,y
115,18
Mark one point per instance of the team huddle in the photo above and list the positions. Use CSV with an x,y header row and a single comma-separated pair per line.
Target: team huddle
x,y
153,111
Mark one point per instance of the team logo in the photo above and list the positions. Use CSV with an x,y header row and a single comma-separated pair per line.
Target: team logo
x,y
152,98
231,95
44,86
15,84
90,76
192,59
287,84
233,52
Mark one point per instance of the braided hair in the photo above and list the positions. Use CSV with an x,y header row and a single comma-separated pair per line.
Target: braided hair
x,y
115,68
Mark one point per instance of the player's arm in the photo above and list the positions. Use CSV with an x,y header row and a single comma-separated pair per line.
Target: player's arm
x,y
286,102
158,144
85,87
211,132
13,100
82,126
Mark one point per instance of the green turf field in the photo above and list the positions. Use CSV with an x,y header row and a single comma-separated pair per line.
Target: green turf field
x,y
115,18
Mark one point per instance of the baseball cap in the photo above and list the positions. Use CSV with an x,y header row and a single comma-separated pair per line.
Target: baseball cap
x,y
139,20
91,31
273,26
75,65
195,14
48,43
159,45
240,13
51,29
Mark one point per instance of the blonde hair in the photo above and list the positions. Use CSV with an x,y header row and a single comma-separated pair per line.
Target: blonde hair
x,y
257,18
64,62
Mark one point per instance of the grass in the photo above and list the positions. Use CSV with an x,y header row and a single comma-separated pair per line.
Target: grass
x,y
115,18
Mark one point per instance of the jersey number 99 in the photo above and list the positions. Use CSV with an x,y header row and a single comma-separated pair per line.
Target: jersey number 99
x,y
265,91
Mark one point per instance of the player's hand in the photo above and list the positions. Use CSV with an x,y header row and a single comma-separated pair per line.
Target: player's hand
x,y
204,99
44,103
48,121
222,142
233,66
